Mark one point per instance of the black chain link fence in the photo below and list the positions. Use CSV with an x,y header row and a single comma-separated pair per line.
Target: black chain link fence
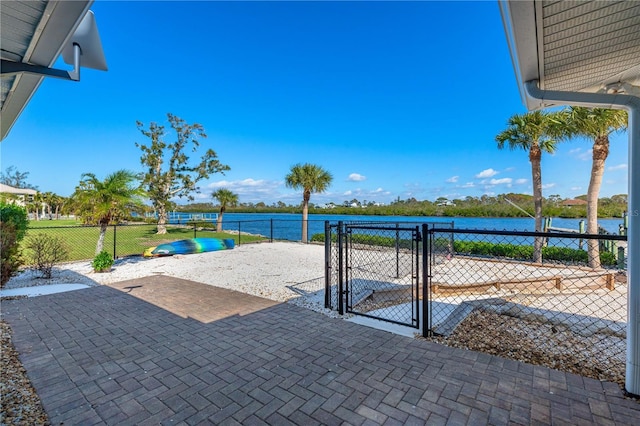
x,y
373,269
382,272
487,292
534,297
128,239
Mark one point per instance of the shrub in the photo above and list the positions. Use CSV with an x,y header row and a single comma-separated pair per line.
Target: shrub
x,y
319,238
44,252
13,227
608,258
102,262
10,213
9,252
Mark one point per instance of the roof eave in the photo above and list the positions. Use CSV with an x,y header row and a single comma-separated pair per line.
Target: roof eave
x,y
61,22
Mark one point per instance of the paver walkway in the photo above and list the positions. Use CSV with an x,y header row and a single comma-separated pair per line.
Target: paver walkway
x,y
103,356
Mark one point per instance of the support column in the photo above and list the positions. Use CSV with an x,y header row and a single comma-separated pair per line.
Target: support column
x,y
632,379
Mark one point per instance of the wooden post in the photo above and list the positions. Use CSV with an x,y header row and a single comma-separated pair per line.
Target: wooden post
x,y
558,281
611,282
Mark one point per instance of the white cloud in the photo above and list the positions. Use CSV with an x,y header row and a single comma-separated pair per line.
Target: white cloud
x,y
355,177
486,173
548,185
453,179
366,193
503,181
618,167
581,154
249,190
576,188
521,181
468,185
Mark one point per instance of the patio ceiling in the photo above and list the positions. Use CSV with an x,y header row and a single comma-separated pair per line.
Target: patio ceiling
x,y
574,46
32,32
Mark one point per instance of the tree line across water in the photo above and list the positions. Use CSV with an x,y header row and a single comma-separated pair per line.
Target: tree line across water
x,y
485,206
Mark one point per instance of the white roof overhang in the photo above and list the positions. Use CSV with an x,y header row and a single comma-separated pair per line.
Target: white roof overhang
x,y
574,46
6,189
32,32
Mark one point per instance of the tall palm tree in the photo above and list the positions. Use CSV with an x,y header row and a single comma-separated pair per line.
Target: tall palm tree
x,y
226,198
48,199
311,179
594,124
108,201
534,132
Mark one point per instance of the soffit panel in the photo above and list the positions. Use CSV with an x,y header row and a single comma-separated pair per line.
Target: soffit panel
x,y
18,23
32,31
586,45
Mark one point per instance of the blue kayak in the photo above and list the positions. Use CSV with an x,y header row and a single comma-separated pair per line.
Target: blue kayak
x,y
191,245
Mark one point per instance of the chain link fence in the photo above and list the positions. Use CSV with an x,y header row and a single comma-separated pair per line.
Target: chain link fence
x,y
373,268
127,239
491,291
533,297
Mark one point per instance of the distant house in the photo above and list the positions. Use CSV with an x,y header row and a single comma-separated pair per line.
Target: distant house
x,y
20,195
573,202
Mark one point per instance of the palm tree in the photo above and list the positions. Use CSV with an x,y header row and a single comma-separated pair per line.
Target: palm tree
x,y
594,124
226,198
311,179
48,199
104,202
533,132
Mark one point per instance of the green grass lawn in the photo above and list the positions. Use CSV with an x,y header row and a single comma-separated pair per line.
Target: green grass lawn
x,y
129,239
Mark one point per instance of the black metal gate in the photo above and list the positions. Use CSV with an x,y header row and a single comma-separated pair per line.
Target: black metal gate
x,y
378,271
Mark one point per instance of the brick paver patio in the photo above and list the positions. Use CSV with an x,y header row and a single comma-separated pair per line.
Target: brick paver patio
x,y
106,356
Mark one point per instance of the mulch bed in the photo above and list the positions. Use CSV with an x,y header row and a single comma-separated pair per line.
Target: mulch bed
x,y
19,402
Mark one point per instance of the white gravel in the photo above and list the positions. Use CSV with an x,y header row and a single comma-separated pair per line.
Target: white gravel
x,y
281,271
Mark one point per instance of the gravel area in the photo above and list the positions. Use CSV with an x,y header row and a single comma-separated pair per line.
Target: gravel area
x,y
539,343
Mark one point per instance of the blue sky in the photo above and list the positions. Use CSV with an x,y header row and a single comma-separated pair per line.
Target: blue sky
x,y
395,99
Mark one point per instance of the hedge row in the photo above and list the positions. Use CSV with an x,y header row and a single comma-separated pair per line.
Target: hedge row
x,y
367,239
522,252
481,248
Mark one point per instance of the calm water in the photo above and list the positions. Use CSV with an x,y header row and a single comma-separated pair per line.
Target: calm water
x,y
289,226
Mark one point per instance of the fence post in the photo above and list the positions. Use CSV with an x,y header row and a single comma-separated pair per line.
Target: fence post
x,y
239,232
620,257
194,230
416,247
426,312
271,233
397,250
114,241
327,264
340,270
